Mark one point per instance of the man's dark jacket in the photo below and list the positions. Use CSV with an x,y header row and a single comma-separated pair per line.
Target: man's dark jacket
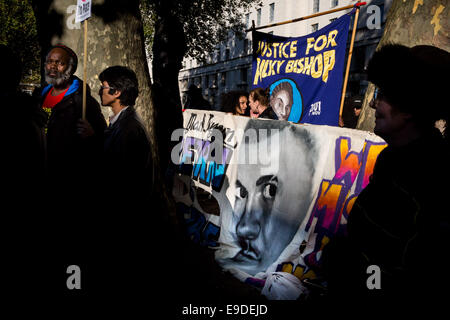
x,y
130,221
70,192
268,114
400,222
126,149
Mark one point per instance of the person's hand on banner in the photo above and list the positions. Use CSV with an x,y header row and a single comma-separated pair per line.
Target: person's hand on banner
x,y
84,129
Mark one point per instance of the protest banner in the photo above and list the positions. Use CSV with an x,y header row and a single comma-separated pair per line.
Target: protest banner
x,y
304,74
283,190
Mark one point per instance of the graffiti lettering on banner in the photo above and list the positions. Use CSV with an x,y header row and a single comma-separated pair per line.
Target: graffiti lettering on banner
x,y
206,151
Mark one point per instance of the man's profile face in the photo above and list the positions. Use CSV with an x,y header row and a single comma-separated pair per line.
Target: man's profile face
x,y
270,204
389,121
57,71
254,104
106,98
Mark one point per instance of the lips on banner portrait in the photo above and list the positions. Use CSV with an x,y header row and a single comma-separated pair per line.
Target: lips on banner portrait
x,y
283,189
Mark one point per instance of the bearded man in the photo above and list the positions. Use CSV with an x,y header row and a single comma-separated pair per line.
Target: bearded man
x,y
73,155
68,148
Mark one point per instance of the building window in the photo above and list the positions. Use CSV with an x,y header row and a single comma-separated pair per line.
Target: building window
x,y
247,20
227,54
244,73
223,79
271,12
245,46
316,6
381,6
258,17
314,27
212,82
334,3
243,84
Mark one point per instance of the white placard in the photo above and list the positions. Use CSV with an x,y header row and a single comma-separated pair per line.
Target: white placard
x,y
83,10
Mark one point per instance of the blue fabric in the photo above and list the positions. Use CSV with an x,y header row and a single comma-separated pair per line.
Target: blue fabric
x,y
312,65
73,87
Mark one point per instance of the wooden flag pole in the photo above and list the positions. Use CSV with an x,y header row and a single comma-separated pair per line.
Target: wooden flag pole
x,y
302,18
349,60
83,114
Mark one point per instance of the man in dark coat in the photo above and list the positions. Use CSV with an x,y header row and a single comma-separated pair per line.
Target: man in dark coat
x,y
126,144
195,99
73,162
23,172
69,152
127,219
396,250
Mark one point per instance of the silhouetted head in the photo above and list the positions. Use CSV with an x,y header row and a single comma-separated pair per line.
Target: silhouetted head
x,y
411,85
12,69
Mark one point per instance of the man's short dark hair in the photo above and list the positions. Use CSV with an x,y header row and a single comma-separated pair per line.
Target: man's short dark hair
x,y
122,79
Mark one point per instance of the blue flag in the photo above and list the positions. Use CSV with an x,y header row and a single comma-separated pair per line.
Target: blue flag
x,y
304,74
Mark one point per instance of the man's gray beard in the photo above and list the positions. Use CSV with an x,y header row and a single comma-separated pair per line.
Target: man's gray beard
x,y
60,79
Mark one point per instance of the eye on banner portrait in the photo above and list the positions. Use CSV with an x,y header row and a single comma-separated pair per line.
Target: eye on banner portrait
x,y
283,190
304,74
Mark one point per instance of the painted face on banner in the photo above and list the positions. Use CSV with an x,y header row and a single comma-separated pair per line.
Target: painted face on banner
x,y
271,201
281,100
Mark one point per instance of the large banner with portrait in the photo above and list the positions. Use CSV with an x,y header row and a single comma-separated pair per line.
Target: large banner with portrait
x,y
282,190
304,74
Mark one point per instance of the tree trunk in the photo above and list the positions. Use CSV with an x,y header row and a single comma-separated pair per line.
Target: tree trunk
x,y
169,48
410,23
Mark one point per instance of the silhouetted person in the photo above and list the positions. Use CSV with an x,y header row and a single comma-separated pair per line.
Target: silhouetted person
x,y
352,109
126,148
22,177
195,99
400,221
24,149
128,230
